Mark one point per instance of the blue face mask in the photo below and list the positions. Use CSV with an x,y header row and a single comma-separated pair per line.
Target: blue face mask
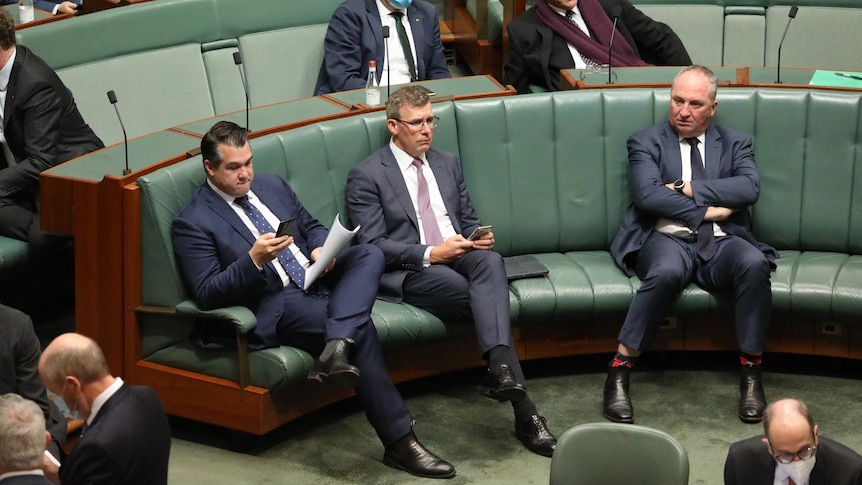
x,y
401,3
64,408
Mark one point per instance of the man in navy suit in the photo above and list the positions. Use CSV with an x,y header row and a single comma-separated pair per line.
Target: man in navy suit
x,y
126,438
692,184
355,36
23,439
791,450
412,202
230,255
53,6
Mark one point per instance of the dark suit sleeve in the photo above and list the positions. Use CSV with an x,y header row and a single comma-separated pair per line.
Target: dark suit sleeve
x,y
39,114
730,468
46,5
437,68
90,464
366,206
738,187
656,42
517,70
342,50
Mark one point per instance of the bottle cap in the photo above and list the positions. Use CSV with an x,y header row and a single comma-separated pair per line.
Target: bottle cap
x,y
372,63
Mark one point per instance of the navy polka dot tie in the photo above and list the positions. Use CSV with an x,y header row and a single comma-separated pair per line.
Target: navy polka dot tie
x,y
286,258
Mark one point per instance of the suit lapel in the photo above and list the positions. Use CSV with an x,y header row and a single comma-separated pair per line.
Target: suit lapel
x,y
712,151
372,18
12,87
547,36
396,182
670,142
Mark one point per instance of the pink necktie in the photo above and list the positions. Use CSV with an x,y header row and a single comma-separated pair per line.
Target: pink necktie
x,y
433,237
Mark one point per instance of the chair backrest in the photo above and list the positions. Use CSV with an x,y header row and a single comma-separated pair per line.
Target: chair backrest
x,y
618,454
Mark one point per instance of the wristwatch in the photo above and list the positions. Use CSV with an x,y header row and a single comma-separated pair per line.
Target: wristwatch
x,y
678,185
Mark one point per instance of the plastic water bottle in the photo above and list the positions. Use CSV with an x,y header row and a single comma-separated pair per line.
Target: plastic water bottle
x,y
25,10
372,88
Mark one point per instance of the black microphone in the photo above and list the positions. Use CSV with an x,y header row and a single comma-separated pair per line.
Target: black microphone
x,y
618,10
791,15
237,59
386,48
113,99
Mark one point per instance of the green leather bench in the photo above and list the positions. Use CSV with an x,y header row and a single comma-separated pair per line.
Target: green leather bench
x,y
171,61
549,172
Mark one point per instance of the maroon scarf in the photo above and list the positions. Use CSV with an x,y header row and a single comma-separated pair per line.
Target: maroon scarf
x,y
600,25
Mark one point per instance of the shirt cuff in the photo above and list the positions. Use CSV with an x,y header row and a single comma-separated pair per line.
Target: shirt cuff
x,y
426,258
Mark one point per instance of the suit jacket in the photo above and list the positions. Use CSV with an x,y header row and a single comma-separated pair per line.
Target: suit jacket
x,y
355,36
128,443
378,200
538,54
749,463
654,160
19,372
42,125
212,243
46,5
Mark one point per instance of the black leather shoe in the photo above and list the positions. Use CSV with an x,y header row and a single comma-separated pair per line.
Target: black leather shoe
x,y
617,405
409,455
536,436
752,399
500,384
333,365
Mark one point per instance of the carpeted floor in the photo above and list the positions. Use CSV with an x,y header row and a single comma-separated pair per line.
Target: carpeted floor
x,y
694,401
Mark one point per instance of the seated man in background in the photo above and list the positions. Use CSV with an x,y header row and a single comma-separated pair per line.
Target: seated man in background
x,y
355,36
41,128
411,201
126,438
229,254
22,441
575,34
57,6
19,374
792,452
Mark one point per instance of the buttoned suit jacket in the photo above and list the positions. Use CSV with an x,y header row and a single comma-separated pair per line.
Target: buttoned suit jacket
x,y
532,45
654,160
19,372
749,463
211,244
128,443
378,200
42,125
355,36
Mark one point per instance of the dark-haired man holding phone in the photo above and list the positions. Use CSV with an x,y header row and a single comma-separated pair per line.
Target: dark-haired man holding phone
x,y
411,201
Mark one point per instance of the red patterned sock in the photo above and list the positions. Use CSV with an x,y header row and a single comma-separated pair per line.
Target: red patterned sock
x,y
623,360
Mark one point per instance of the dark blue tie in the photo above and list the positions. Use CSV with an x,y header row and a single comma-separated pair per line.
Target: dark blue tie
x,y
705,234
286,258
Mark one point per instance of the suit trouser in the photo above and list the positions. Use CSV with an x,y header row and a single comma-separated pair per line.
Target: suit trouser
x,y
666,265
473,288
308,322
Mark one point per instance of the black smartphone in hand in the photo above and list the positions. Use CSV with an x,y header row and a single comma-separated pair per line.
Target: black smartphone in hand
x,y
286,228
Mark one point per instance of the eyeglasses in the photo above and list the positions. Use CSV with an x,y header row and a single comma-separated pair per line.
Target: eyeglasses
x,y
416,125
786,458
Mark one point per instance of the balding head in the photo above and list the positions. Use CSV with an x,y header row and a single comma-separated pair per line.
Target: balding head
x,y
789,426
72,354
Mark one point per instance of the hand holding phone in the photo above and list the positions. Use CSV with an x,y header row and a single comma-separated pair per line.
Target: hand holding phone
x,y
286,228
479,232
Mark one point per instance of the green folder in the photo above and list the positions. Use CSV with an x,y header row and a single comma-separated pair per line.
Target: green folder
x,y
845,79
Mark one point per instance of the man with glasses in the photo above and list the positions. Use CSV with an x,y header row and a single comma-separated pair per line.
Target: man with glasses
x,y
411,201
791,453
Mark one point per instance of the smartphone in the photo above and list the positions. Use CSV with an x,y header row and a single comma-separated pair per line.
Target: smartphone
x,y
479,232
286,228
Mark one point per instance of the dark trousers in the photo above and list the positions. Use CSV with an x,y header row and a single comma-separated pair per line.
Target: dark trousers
x,y
473,288
666,265
308,322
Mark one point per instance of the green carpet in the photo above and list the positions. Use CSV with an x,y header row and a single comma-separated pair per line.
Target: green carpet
x,y
694,401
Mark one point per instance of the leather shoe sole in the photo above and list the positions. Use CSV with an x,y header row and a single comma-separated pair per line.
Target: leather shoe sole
x,y
343,378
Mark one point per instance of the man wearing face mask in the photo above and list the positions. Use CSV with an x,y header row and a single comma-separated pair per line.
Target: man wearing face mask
x,y
791,453
355,36
126,438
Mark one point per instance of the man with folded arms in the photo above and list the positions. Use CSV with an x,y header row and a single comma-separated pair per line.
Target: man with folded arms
x,y
412,202
791,453
229,253
692,184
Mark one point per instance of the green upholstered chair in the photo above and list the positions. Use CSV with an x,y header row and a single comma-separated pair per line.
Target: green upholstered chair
x,y
618,454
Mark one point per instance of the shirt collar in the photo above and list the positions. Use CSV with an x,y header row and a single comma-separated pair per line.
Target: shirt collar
x,y
6,71
228,198
102,398
385,12
404,160
701,139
